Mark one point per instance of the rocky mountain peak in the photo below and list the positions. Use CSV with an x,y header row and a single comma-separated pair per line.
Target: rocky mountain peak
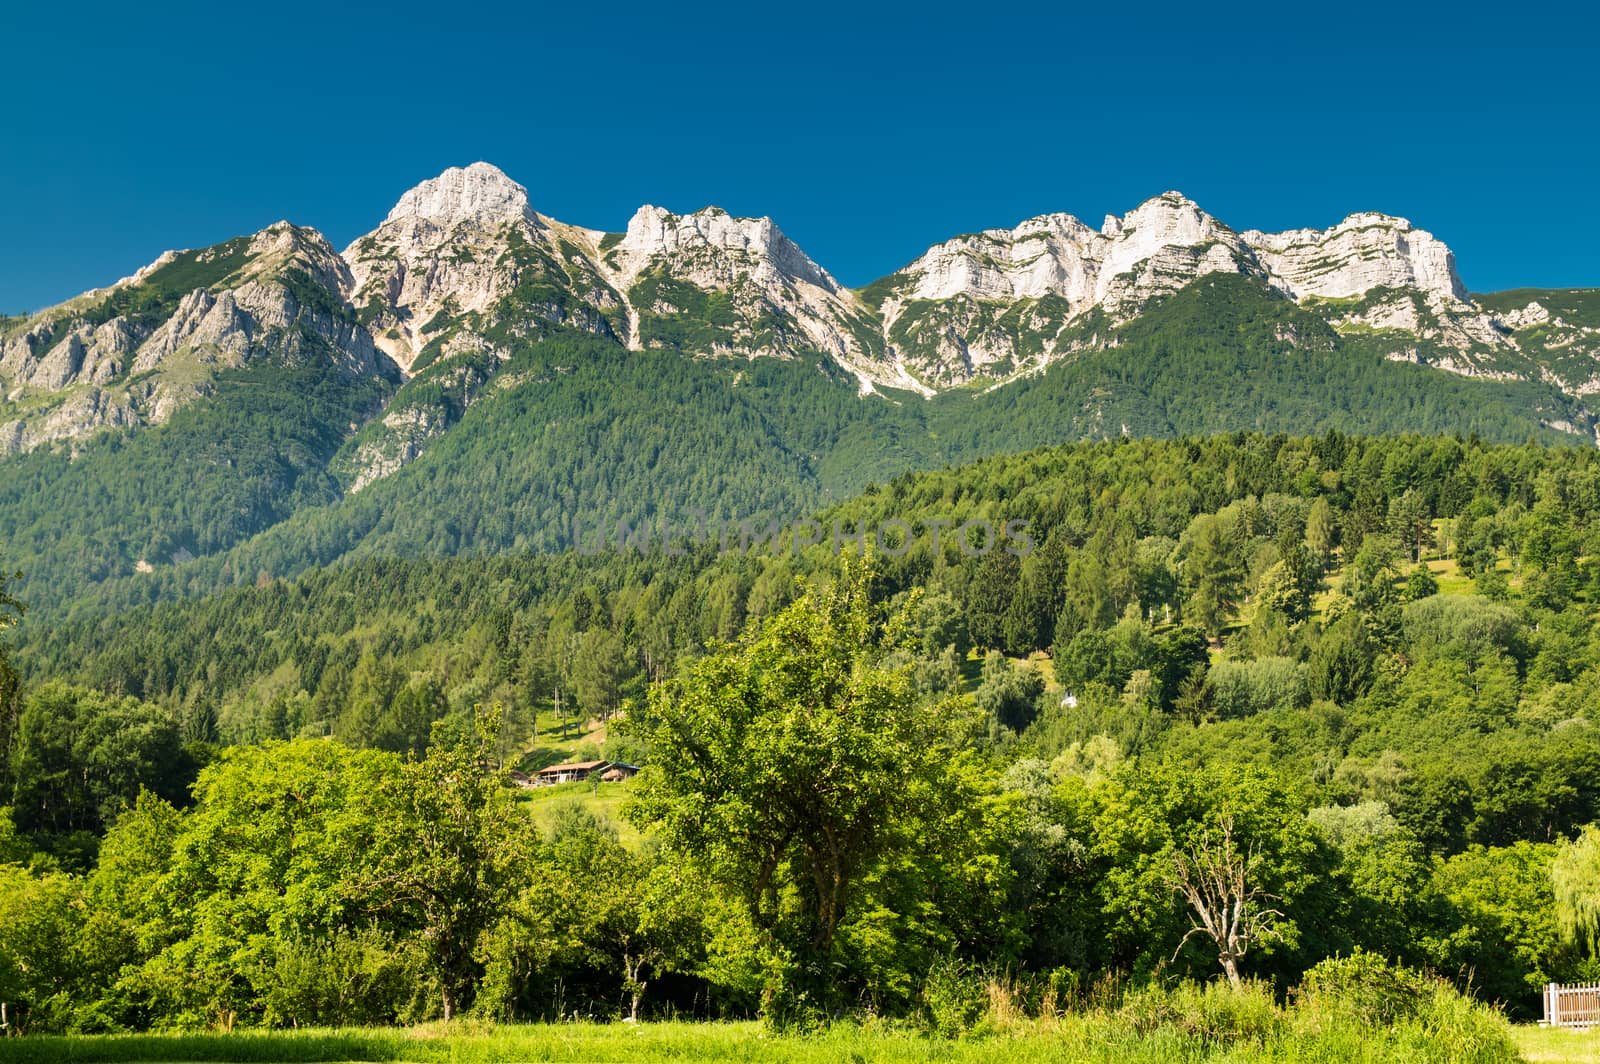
x,y
1154,249
1048,254
775,300
479,193
711,233
1168,220
442,262
134,352
1365,251
1365,218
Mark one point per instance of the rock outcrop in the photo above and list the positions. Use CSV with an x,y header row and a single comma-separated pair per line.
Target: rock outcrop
x,y
1361,253
1008,300
769,297
479,193
133,353
943,312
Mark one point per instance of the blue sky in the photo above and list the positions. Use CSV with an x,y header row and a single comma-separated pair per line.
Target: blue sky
x,y
867,131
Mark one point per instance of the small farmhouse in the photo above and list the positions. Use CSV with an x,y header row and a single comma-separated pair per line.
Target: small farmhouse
x,y
578,771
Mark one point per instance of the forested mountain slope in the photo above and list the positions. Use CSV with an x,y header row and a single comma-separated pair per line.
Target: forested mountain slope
x,y
210,477
1115,524
577,433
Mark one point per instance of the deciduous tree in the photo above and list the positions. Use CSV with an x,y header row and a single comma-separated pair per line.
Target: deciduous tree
x,y
787,764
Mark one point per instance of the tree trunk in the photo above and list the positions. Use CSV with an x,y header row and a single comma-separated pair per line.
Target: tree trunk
x,y
631,967
1230,966
829,879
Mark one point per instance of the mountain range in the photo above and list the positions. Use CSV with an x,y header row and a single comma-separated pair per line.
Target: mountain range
x,y
229,411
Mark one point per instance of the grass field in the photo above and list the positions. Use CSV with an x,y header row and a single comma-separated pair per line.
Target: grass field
x,y
1542,1045
1088,1039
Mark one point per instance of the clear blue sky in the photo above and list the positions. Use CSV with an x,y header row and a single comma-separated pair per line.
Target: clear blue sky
x,y
867,131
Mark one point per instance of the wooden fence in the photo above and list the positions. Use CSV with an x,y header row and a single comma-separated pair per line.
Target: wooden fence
x,y
1572,1006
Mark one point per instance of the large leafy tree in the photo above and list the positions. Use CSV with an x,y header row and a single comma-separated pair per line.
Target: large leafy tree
x,y
443,854
787,765
264,860
1159,819
79,755
41,963
1575,875
605,908
1501,930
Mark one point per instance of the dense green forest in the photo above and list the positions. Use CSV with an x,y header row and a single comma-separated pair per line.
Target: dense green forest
x,y
1360,672
573,430
216,473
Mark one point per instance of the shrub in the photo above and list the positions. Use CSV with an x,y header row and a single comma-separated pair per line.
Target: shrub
x,y
955,998
1469,627
1365,989
1464,1031
1361,997
345,979
1216,1014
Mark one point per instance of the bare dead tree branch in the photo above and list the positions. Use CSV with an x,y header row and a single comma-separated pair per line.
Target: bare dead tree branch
x,y
1217,879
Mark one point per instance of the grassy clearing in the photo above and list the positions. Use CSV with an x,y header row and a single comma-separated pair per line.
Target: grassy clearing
x,y
1448,573
1546,1045
602,799
557,741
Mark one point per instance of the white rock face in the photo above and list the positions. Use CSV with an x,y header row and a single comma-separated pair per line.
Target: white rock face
x,y
478,193
258,313
1042,256
1526,317
81,413
1169,221
1155,249
1056,254
453,249
408,431
1363,252
717,248
445,253
437,252
1567,352
784,301
1405,277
